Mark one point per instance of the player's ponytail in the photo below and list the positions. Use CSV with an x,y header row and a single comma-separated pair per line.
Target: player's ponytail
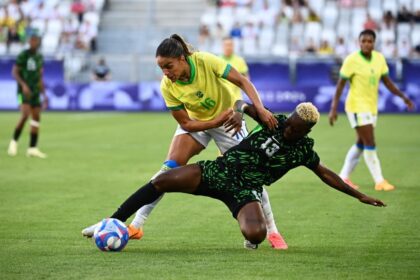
x,y
173,46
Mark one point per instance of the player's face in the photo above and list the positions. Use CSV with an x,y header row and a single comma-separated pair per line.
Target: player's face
x,y
227,47
367,43
295,129
34,43
172,67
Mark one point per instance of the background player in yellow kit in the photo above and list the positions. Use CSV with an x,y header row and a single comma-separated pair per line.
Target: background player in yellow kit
x,y
364,69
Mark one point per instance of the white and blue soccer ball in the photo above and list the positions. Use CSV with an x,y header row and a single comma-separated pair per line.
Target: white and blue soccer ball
x,y
111,235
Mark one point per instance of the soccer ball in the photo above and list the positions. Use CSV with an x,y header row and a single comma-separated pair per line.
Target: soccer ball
x,y
111,235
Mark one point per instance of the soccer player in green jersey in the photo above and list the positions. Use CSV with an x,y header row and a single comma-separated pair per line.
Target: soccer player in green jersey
x,y
237,178
364,70
28,72
197,90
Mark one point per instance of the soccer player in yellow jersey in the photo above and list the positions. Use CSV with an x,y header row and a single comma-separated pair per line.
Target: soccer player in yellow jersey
x,y
196,89
364,69
236,62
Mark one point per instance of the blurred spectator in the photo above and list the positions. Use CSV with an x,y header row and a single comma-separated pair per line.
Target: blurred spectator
x,y
101,71
5,19
341,49
310,47
14,10
204,40
249,38
295,48
388,20
417,50
370,23
236,31
404,48
78,8
26,6
313,17
404,15
325,48
217,36
388,49
416,17
86,38
40,12
66,44
12,36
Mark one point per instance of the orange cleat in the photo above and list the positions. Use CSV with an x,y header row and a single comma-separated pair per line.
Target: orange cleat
x,y
135,233
384,186
351,184
277,241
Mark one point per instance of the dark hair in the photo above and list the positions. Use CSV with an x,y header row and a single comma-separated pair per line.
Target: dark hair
x,y
369,32
173,46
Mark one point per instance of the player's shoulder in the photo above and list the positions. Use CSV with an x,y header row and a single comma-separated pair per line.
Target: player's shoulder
x,y
352,57
204,56
378,55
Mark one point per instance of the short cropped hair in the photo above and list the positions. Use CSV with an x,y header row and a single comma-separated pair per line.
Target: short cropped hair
x,y
307,112
369,32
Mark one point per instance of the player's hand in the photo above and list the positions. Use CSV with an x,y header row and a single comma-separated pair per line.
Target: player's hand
x,y
234,123
26,90
409,103
223,117
45,103
332,116
267,118
372,201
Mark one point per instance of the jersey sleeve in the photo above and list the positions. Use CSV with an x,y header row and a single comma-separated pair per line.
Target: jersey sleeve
x,y
21,60
220,67
346,71
171,102
311,158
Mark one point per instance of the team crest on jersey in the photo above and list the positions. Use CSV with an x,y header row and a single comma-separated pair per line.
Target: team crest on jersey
x,y
31,64
199,94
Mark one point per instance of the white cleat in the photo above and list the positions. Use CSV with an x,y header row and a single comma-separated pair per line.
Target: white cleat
x,y
13,148
88,232
35,152
249,245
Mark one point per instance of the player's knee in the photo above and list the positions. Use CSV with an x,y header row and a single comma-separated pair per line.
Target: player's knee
x,y
162,180
255,232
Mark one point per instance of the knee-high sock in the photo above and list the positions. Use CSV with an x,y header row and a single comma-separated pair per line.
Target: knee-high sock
x,y
373,163
143,213
268,213
351,161
141,197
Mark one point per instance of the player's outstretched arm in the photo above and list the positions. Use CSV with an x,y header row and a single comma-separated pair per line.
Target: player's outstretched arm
x,y
332,116
334,181
392,88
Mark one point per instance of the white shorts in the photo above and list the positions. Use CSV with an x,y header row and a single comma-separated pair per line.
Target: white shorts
x,y
223,140
361,119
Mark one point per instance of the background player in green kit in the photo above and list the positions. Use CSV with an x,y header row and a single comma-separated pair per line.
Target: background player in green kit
x,y
28,72
237,178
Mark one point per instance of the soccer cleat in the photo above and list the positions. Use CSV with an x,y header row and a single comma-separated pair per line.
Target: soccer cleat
x,y
249,245
13,148
88,232
35,152
351,184
135,233
277,241
384,186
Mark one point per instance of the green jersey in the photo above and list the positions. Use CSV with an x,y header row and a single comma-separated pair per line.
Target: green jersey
x,y
260,159
30,66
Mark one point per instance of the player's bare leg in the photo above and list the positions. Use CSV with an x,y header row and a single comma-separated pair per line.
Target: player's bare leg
x,y
33,150
13,145
252,223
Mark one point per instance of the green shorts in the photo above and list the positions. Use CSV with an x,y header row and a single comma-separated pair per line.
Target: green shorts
x,y
216,183
34,99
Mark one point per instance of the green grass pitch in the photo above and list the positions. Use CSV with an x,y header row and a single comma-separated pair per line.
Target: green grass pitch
x,y
96,160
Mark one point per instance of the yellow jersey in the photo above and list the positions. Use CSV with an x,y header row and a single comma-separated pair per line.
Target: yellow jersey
x,y
364,76
206,94
240,65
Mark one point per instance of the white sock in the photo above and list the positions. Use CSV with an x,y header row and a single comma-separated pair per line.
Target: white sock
x,y
351,161
373,163
268,213
144,212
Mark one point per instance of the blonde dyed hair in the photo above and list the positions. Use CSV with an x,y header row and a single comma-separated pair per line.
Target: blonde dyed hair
x,y
307,112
